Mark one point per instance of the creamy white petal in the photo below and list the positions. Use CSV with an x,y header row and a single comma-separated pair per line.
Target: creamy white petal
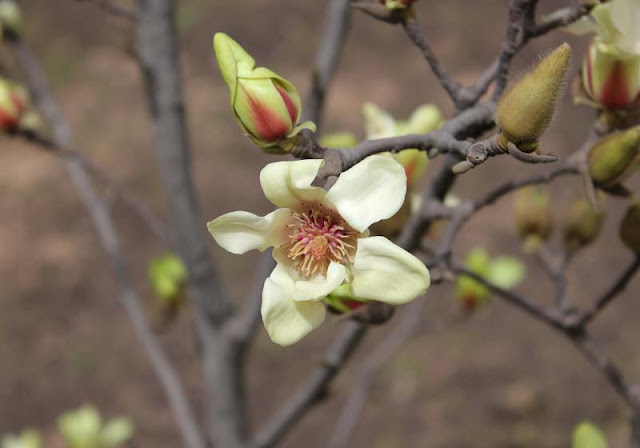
x,y
385,272
286,184
315,288
240,232
286,320
370,191
625,15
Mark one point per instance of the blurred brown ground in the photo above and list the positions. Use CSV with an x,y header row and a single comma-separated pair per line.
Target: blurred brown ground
x,y
498,380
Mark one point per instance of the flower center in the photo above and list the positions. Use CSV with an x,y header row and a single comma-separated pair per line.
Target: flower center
x,y
317,237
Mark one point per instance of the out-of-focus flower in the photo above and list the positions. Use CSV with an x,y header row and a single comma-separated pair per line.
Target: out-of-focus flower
x,y
15,107
611,69
28,438
10,18
321,241
533,216
526,109
168,277
84,428
503,271
338,140
266,105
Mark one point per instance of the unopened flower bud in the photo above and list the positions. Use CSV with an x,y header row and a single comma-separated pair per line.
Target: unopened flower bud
x,y
581,225
630,227
10,18
13,104
533,216
525,111
610,77
266,106
470,293
397,4
612,158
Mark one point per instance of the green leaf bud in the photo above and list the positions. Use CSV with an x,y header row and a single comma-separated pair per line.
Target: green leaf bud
x,y
588,435
630,227
581,225
10,18
533,216
612,158
526,109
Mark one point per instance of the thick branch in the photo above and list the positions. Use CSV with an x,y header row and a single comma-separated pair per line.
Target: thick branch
x,y
108,237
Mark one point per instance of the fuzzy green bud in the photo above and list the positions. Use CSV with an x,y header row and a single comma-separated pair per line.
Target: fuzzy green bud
x,y
630,227
612,158
10,18
266,106
525,111
168,277
581,225
533,216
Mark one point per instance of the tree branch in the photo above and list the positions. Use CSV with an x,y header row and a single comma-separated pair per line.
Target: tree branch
x,y
108,237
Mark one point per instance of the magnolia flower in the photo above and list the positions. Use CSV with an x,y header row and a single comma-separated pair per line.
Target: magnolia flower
x,y
320,241
266,106
611,69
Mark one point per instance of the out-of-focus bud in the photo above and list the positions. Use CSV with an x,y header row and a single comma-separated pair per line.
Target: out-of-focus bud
x,y
28,438
338,140
13,105
468,291
397,4
533,216
10,18
611,78
581,225
168,277
266,105
525,111
630,227
612,158
503,271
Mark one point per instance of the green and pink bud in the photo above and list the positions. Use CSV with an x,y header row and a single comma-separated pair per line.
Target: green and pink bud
x,y
611,78
266,106
14,103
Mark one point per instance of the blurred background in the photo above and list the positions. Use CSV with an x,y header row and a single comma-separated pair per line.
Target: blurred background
x,y
495,378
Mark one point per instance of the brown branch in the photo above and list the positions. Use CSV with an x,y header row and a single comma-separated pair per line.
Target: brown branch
x,y
315,389
109,239
618,286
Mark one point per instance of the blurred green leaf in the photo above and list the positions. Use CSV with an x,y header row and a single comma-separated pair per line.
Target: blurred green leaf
x,y
29,438
588,435
167,275
338,140
506,272
117,431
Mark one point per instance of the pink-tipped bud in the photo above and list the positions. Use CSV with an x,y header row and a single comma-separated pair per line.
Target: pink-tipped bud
x,y
611,78
13,105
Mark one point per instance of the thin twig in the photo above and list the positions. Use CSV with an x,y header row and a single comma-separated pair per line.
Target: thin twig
x,y
315,389
327,57
108,237
618,286
410,25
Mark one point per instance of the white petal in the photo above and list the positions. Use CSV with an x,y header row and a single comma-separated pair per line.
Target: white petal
x,y
370,191
315,288
240,232
286,184
625,15
286,320
385,272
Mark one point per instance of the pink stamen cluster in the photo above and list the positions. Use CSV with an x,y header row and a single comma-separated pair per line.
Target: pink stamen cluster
x,y
317,238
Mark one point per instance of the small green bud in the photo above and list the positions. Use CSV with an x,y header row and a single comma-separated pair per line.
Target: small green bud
x,y
468,291
168,277
397,4
525,111
266,106
581,225
10,18
533,216
630,227
612,158
588,435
